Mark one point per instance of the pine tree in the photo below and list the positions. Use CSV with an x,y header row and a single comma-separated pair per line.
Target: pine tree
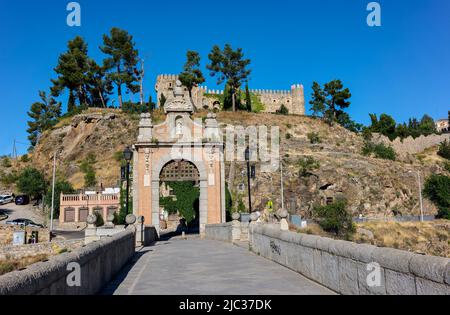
x,y
44,116
192,75
122,61
330,101
230,67
100,87
72,70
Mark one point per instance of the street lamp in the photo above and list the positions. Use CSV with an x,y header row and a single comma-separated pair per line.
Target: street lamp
x,y
420,194
128,155
247,158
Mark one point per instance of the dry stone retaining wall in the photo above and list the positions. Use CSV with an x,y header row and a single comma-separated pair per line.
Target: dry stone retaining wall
x,y
411,145
18,252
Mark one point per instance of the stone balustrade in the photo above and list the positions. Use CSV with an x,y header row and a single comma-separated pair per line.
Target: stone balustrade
x,y
76,207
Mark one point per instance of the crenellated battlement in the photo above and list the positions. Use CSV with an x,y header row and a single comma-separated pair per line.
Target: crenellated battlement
x,y
293,99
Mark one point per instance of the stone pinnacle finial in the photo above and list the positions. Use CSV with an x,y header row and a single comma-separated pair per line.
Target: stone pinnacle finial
x,y
178,91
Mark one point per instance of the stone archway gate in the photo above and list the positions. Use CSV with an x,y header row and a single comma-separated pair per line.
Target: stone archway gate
x,y
179,138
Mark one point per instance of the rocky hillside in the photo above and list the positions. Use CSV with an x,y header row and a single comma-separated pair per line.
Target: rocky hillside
x,y
101,133
373,187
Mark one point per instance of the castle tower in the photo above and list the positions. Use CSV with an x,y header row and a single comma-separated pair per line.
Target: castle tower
x,y
298,99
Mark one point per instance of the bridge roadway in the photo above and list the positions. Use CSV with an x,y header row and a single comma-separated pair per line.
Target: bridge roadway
x,y
204,267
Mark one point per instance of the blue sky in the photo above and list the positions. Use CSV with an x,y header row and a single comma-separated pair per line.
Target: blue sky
x,y
401,68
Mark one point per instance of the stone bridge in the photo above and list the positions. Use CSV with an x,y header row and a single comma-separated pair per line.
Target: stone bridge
x,y
232,259
207,267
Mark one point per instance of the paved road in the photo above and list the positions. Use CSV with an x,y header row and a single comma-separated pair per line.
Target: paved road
x,y
14,211
201,267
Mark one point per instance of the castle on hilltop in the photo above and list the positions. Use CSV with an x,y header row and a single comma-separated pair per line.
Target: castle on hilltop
x,y
202,97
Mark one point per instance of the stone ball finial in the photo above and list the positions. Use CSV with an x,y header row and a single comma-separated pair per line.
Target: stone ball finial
x,y
254,216
130,219
236,216
283,213
91,219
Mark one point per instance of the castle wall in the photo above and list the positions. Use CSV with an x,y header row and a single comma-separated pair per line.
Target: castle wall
x,y
293,99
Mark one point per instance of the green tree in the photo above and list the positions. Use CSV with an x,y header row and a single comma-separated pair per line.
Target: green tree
x,y
379,150
186,195
335,218
427,126
87,167
191,76
44,116
345,121
283,110
72,70
61,187
228,98
437,189
122,61
248,99
31,182
99,85
444,149
230,66
307,165
330,101
151,105
386,125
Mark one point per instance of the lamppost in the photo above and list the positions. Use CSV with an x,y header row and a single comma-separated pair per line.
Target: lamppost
x,y
420,194
247,158
128,155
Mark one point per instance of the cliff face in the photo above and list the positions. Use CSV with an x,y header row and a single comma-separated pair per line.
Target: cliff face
x,y
373,187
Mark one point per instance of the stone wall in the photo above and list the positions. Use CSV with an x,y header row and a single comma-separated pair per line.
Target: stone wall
x,y
411,145
7,231
219,232
343,266
99,262
53,248
235,231
293,99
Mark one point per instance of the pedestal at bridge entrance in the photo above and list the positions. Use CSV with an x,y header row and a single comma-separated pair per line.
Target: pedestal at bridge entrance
x,y
179,149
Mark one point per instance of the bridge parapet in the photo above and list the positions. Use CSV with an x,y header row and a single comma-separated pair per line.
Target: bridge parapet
x,y
93,265
352,269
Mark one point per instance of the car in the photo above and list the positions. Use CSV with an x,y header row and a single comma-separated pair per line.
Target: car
x,y
22,200
5,199
24,222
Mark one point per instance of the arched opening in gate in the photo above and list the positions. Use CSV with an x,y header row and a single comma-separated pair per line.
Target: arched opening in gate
x,y
179,197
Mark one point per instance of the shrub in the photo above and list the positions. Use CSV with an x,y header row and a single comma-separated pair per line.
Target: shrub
x,y
25,158
288,136
447,166
6,162
335,218
87,167
100,221
380,151
283,110
307,165
437,189
241,206
31,182
314,137
444,150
